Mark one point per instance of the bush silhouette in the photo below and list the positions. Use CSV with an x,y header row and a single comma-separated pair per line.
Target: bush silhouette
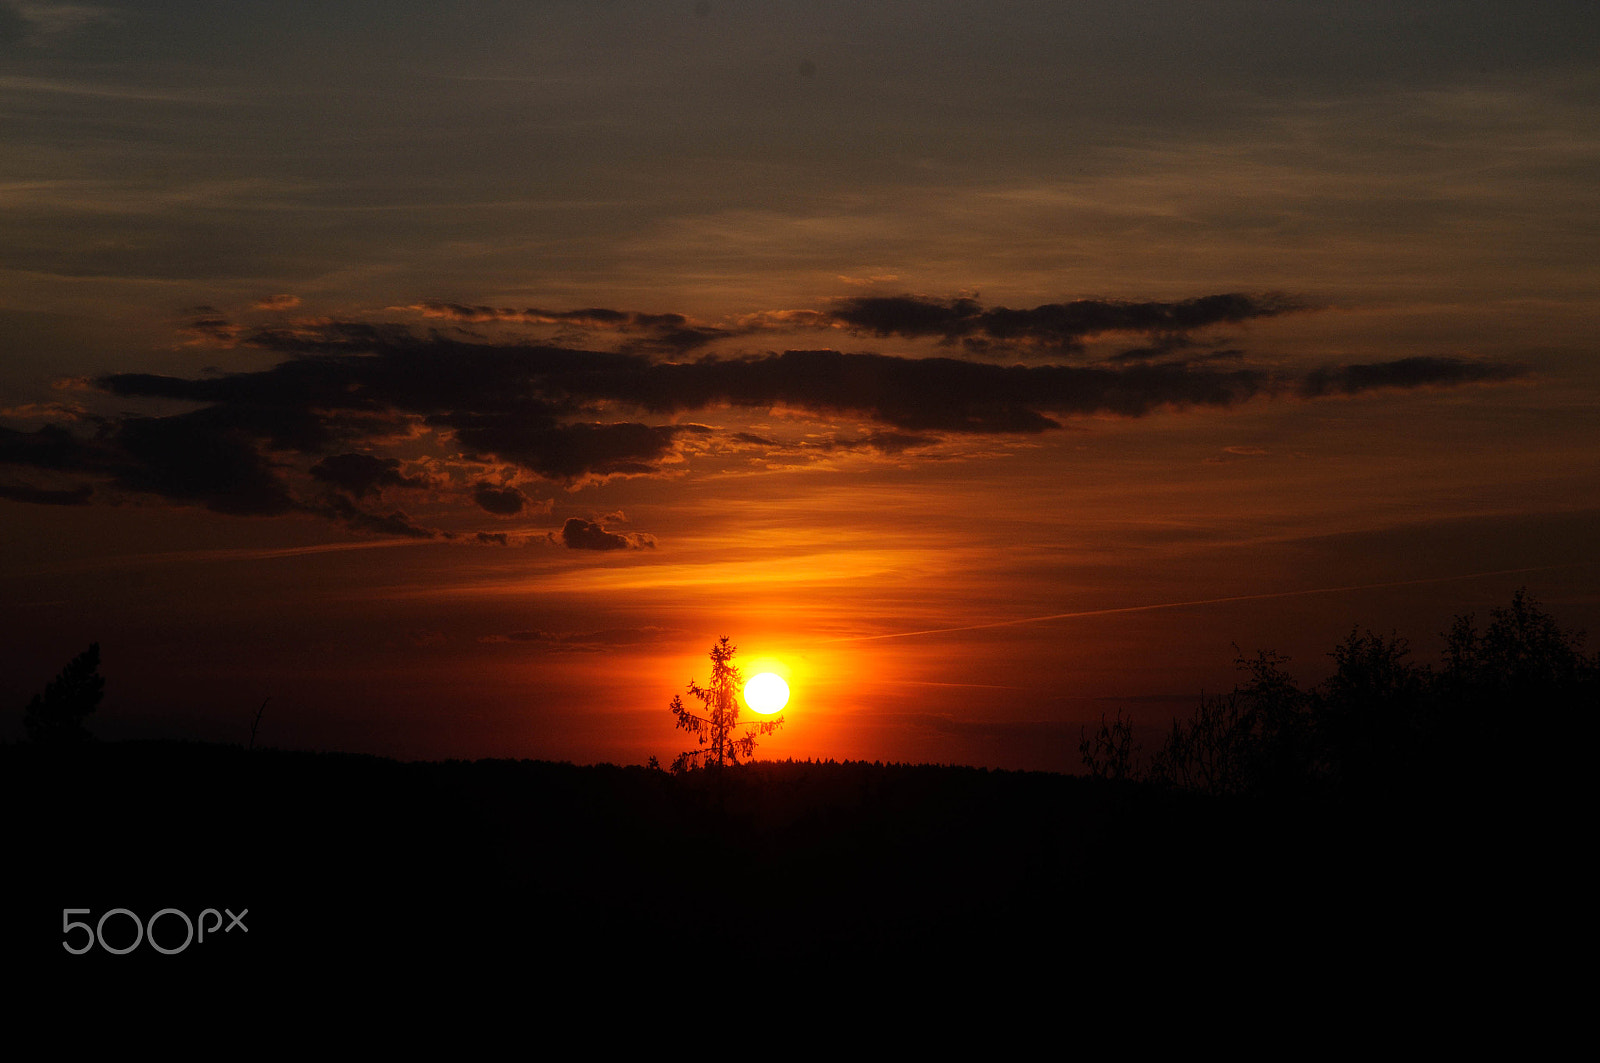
x,y
56,716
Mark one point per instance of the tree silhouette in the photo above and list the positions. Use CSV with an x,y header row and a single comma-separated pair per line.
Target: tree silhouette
x,y
1111,752
1381,727
1254,740
1370,717
1524,651
714,731
56,716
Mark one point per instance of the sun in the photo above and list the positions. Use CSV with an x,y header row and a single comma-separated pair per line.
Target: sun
x,y
766,693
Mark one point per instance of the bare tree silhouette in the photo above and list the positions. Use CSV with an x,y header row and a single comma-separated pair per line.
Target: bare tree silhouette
x,y
1253,740
714,731
1111,753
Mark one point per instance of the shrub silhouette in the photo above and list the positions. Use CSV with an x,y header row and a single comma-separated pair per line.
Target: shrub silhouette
x,y
56,716
715,730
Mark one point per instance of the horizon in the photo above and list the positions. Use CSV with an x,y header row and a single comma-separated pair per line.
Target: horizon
x,y
454,379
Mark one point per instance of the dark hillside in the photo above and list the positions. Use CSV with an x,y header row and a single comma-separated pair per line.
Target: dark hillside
x,y
355,864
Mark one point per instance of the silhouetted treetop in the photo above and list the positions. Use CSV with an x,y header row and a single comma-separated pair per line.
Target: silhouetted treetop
x,y
714,731
1523,649
1380,724
56,716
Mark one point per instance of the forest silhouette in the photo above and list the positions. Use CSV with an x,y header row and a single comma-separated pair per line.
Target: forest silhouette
x,y
1381,728
1385,804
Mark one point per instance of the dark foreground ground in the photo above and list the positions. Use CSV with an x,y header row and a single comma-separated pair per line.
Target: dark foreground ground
x,y
357,867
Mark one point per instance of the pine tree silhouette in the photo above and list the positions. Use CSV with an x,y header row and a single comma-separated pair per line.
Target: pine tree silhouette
x,y
719,745
56,716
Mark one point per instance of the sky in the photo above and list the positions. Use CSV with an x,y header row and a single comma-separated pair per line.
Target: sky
x,y
448,377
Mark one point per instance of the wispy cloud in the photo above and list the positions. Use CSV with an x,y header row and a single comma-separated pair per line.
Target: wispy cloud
x,y
584,641
47,20
97,89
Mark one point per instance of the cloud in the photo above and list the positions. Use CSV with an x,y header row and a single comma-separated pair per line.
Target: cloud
x,y
920,395
363,474
47,20
890,442
1053,324
501,501
1159,347
214,330
1230,454
596,318
202,458
885,442
663,332
42,411
346,512
585,641
1405,373
278,302
78,496
211,457
579,534
50,447
564,451
273,441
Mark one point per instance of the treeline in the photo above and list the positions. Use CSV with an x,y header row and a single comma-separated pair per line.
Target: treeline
x,y
1382,727
348,859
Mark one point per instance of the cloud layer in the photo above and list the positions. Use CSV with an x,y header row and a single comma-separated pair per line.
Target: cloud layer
x,y
318,432
1062,325
1052,326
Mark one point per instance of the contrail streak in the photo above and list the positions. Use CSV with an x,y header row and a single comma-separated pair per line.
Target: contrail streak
x,y
1200,601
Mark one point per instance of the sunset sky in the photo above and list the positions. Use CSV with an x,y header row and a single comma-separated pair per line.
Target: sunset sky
x,y
454,374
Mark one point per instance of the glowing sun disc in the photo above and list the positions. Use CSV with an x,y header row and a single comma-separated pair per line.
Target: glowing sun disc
x,y
766,693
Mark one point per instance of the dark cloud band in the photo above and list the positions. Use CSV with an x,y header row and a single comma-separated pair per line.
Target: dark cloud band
x,y
569,415
1404,373
1053,325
